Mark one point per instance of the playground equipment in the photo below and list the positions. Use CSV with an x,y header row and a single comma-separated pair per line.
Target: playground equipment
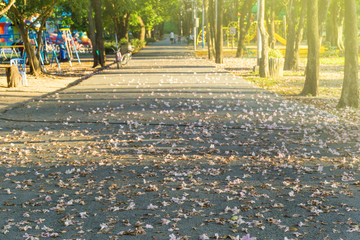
x,y
231,33
60,43
65,43
10,42
4,30
82,41
46,47
252,33
9,36
232,30
280,39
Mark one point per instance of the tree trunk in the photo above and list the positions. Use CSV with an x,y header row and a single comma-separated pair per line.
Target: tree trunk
x,y
161,32
271,24
313,62
39,41
264,60
328,28
339,39
34,63
299,37
116,23
276,67
13,77
246,8
241,40
91,34
142,29
211,31
96,4
219,34
336,24
124,26
350,90
295,38
290,37
148,34
323,12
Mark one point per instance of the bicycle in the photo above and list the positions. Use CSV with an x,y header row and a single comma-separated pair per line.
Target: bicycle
x,y
122,59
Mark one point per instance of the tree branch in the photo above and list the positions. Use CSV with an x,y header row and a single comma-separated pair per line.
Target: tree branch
x,y
7,8
44,14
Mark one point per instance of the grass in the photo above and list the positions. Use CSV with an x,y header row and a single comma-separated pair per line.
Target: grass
x,y
328,61
327,99
279,86
292,83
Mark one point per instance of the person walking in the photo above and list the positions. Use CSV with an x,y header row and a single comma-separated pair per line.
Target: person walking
x,y
172,37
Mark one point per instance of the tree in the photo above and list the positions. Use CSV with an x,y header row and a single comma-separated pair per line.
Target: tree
x,y
81,16
323,12
76,13
264,59
119,14
350,90
313,59
23,11
219,57
211,32
91,33
153,13
299,37
296,11
142,28
271,24
100,49
244,28
336,22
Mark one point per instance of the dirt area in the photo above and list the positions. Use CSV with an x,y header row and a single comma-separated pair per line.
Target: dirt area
x,y
53,80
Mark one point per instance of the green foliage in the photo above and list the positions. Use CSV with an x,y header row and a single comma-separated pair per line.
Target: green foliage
x,y
275,53
150,40
30,9
123,41
170,26
109,47
150,11
331,51
248,53
137,44
62,20
72,13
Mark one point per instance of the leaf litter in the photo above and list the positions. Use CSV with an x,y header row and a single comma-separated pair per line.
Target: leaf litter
x,y
212,158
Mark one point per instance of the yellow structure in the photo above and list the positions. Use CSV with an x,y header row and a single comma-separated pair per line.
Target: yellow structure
x,y
233,29
251,33
280,39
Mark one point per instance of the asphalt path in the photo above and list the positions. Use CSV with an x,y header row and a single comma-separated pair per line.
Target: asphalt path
x,y
172,147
